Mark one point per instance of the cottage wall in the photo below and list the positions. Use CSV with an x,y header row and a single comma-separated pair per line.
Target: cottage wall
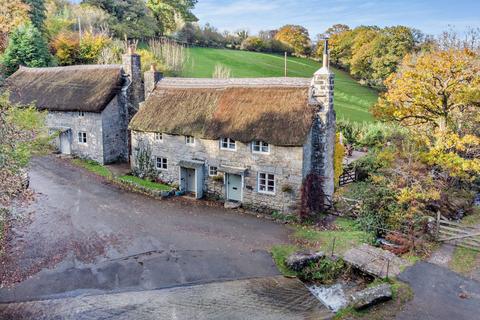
x,y
91,123
286,163
114,123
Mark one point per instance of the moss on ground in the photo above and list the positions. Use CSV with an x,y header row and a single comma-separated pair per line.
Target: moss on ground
x,y
145,183
280,254
464,260
93,167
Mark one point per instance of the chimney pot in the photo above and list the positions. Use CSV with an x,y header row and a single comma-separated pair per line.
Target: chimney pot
x,y
131,50
153,67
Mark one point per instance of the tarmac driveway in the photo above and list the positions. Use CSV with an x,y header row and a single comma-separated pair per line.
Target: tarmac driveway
x,y
83,235
440,294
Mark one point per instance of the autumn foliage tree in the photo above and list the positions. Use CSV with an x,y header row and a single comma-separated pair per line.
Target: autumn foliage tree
x,y
13,13
437,95
296,37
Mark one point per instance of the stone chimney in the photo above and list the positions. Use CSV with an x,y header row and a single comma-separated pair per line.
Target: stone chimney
x,y
324,130
133,68
151,78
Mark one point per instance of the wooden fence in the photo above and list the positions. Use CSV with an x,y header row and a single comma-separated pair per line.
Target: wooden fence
x,y
457,234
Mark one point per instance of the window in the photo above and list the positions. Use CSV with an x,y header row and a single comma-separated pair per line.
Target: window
x,y
266,183
189,140
162,163
158,136
81,113
260,147
212,171
82,137
228,144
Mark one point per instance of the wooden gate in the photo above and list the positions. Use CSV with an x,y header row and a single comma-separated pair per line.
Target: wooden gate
x,y
457,234
349,175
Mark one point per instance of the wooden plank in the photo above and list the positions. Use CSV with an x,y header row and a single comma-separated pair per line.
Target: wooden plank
x,y
457,225
467,241
456,229
448,237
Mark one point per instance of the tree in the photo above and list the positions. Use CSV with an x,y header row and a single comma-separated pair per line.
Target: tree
x,y
437,95
432,89
389,48
130,18
253,44
169,12
296,37
37,12
21,133
26,47
13,13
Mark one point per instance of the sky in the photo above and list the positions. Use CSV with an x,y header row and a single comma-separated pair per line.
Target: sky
x,y
430,16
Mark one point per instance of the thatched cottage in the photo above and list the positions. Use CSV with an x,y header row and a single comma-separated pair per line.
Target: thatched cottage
x,y
250,141
89,106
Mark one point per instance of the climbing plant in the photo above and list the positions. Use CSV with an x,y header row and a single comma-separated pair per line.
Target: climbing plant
x,y
144,166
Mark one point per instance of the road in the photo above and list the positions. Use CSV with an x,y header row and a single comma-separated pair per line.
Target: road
x,y
440,294
81,235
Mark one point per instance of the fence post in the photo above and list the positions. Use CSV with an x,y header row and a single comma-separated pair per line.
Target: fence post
x,y
437,232
388,267
333,246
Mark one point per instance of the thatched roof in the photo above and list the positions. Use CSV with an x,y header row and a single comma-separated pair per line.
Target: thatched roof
x,y
274,110
86,88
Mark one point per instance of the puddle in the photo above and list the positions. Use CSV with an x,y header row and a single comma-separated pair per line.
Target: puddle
x,y
333,296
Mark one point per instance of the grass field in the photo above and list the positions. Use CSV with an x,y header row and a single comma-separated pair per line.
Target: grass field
x,y
352,101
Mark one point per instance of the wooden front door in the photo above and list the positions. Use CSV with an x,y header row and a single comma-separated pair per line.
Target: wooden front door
x,y
234,187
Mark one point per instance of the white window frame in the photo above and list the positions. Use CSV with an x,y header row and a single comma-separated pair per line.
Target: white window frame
x,y
267,178
158,136
163,163
82,137
215,169
81,113
261,145
229,142
190,140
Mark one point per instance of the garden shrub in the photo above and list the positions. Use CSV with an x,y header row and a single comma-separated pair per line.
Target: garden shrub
x,y
325,270
144,166
365,134
253,44
339,154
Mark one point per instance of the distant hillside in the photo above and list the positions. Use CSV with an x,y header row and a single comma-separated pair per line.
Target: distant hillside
x,y
352,101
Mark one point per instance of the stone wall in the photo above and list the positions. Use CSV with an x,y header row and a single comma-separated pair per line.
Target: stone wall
x,y
91,123
286,163
115,122
324,128
106,131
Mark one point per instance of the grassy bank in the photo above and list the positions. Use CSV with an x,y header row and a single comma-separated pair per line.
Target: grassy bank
x,y
352,101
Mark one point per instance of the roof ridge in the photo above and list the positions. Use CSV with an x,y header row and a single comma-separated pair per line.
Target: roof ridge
x,y
74,67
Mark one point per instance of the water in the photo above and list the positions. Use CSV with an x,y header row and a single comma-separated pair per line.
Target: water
x,y
333,296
